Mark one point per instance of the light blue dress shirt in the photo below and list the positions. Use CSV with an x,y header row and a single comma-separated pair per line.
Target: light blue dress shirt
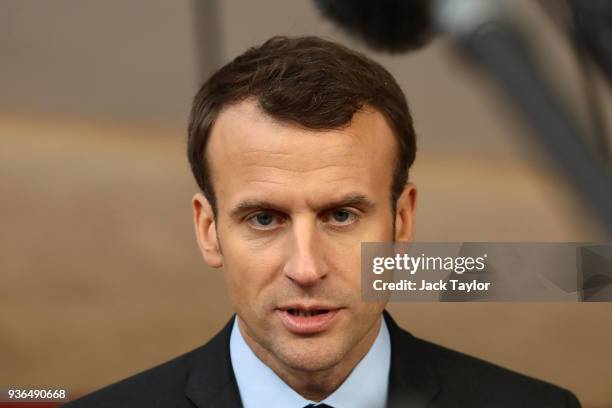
x,y
259,386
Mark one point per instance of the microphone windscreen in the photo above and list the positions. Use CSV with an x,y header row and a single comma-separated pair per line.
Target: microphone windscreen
x,y
387,25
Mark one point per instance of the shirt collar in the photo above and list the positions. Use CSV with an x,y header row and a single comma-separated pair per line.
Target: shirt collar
x,y
365,387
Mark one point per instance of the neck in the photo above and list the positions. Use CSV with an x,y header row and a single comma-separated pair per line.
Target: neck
x,y
318,384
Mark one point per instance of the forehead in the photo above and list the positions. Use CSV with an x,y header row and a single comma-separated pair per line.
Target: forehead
x,y
251,153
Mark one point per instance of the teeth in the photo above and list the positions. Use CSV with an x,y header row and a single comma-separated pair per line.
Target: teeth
x,y
305,313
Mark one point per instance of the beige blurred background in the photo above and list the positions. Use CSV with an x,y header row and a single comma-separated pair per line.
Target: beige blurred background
x,y
100,276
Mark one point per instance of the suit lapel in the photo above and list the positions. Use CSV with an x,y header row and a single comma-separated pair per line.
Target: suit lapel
x,y
211,381
412,380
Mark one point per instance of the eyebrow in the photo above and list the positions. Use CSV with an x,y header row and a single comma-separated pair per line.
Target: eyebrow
x,y
350,199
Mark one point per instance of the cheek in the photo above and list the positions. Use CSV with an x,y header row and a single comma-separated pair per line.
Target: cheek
x,y
249,271
378,227
345,261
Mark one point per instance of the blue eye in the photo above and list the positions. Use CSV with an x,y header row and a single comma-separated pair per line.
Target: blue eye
x,y
264,220
342,217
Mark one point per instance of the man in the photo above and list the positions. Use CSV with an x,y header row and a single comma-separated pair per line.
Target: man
x,y
301,148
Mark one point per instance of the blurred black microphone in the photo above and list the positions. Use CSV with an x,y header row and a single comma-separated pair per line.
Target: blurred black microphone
x,y
486,35
593,21
387,25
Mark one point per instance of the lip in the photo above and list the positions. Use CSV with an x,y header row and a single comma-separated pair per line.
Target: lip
x,y
308,324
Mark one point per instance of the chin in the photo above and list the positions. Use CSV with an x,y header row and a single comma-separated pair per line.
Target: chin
x,y
310,354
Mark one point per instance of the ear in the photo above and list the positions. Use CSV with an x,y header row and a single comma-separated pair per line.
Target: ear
x,y
404,215
206,231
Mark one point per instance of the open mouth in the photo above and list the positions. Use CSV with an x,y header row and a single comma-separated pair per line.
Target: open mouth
x,y
307,320
306,313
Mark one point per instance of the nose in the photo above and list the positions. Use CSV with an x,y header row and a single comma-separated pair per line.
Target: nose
x,y
306,264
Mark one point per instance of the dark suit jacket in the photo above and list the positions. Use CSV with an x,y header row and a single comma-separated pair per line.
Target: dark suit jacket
x,y
422,375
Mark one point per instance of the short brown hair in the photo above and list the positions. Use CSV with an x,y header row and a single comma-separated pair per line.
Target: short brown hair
x,y
313,82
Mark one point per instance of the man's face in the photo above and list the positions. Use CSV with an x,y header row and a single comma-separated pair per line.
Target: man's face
x,y
294,206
